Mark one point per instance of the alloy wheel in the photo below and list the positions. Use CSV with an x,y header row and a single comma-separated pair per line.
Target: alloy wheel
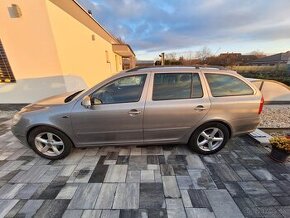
x,y
49,144
210,139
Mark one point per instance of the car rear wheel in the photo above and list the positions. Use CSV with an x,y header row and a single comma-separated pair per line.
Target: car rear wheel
x,y
209,138
49,143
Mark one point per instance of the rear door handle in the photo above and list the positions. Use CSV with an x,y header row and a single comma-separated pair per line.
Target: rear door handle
x,y
199,108
134,112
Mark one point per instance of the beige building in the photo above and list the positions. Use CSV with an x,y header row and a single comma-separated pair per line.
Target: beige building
x,y
49,47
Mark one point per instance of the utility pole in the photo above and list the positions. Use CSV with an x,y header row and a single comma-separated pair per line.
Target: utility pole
x,y
162,59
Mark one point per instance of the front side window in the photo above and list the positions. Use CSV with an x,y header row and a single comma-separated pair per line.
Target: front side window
x,y
123,90
227,85
169,86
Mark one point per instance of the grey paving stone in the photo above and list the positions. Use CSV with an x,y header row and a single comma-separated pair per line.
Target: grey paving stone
x,y
52,208
153,167
16,209
194,162
51,191
284,185
127,196
185,198
147,175
176,213
270,212
283,200
235,189
253,188
123,159
184,182
152,159
30,208
170,187
263,174
157,213
157,176
247,207
99,174
50,174
284,211
116,173
11,165
201,179
180,170
6,206
133,176
67,191
9,191
92,213
106,196
166,170
32,175
137,163
226,173
27,191
273,188
174,204
85,196
243,173
72,214
199,199
222,204
67,170
110,214
199,213
137,213
151,196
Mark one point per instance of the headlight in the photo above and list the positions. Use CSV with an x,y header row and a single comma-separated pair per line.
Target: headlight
x,y
16,118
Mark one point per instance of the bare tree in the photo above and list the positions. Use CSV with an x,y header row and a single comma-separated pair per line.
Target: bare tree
x,y
204,53
258,53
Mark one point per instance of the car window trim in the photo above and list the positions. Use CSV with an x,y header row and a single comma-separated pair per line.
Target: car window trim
x,y
191,86
143,74
223,96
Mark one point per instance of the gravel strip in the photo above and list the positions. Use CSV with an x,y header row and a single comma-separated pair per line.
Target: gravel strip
x,y
275,116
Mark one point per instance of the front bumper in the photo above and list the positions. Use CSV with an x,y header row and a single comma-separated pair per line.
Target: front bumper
x,y
18,135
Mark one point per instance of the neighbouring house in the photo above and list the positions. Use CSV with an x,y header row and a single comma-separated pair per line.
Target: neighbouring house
x,y
49,47
272,60
145,63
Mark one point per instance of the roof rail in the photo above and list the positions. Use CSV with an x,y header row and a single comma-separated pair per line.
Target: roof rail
x,y
195,66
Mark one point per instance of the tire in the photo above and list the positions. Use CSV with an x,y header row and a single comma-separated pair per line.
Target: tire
x,y
49,142
203,135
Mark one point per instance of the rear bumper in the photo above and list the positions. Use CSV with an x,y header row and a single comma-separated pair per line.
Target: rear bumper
x,y
245,126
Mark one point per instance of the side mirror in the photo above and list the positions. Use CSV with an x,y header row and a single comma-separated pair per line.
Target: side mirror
x,y
86,102
96,101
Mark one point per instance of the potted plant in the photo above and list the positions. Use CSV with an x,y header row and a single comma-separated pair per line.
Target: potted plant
x,y
280,148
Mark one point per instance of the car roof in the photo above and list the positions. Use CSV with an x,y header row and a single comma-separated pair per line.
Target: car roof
x,y
168,69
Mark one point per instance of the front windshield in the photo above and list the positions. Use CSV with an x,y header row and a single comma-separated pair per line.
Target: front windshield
x,y
72,96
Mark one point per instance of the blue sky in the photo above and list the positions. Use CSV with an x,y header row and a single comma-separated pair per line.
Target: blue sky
x,y
186,26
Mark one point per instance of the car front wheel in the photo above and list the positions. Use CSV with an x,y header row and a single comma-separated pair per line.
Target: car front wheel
x,y
209,138
49,143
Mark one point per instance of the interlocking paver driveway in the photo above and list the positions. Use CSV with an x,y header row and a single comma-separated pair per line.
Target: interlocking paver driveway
x,y
146,181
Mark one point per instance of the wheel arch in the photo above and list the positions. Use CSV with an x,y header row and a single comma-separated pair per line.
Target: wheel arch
x,y
46,125
226,124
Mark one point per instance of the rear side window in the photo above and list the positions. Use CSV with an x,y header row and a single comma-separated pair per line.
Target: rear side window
x,y
227,85
169,86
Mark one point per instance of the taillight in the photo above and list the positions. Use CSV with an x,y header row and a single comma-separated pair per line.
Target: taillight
x,y
261,105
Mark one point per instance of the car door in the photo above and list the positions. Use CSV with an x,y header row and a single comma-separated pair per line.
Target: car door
x,y
119,117
175,105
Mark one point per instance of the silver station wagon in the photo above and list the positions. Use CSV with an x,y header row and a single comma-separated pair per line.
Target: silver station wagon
x,y
201,107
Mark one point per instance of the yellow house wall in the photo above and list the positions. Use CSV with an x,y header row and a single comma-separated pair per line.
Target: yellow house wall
x,y
78,53
28,40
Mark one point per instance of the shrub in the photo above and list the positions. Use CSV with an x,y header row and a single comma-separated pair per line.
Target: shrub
x,y
281,143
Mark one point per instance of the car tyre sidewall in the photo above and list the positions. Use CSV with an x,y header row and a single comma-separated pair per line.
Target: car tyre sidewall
x,y
193,140
67,142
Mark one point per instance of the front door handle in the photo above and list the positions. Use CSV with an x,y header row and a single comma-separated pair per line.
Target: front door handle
x,y
134,112
199,108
